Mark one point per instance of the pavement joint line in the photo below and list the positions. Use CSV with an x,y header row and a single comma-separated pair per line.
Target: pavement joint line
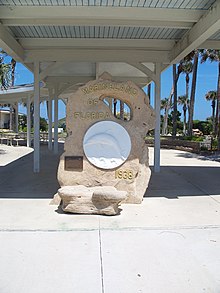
x,y
101,259
156,228
214,199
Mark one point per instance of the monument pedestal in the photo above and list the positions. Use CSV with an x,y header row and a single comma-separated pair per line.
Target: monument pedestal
x,y
94,200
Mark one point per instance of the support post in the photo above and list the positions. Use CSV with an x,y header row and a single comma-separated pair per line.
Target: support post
x,y
50,121
16,117
157,110
55,122
36,117
28,122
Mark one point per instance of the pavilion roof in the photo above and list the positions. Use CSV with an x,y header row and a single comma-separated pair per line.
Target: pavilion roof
x,y
77,40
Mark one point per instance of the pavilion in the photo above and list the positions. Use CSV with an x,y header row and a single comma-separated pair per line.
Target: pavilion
x,y
66,43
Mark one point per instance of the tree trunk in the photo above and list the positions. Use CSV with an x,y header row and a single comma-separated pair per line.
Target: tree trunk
x,y
184,119
13,109
187,86
213,116
121,110
174,100
13,65
165,119
174,93
218,106
193,93
115,104
149,91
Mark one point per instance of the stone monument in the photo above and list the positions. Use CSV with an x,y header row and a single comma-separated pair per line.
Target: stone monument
x,y
105,149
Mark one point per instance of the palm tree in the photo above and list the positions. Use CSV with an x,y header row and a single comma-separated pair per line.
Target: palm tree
x,y
5,71
13,108
195,55
149,91
187,68
121,110
214,56
176,74
165,105
184,101
212,96
115,107
7,79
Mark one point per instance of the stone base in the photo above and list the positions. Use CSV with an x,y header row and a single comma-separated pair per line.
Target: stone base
x,y
95,200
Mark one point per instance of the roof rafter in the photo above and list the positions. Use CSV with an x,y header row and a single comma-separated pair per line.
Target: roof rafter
x,y
198,34
144,69
79,79
46,72
38,43
98,55
10,45
71,15
214,44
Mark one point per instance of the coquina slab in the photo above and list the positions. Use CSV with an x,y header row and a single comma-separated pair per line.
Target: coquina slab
x,y
86,107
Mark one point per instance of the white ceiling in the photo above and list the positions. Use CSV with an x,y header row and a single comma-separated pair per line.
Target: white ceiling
x,y
81,39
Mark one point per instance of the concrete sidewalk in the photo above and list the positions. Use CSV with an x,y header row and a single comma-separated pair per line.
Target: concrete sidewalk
x,y
169,243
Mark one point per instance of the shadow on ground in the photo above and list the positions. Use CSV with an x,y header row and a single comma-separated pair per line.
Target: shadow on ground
x,y
17,179
215,156
176,181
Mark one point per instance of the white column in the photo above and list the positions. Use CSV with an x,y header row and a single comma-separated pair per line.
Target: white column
x,y
55,123
157,110
28,122
16,117
50,122
36,117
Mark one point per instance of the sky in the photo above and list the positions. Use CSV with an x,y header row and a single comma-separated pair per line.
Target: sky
x,y
206,81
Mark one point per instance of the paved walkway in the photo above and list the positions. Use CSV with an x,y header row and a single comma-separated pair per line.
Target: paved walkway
x,y
169,243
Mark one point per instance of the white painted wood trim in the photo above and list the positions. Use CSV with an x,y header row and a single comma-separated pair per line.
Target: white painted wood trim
x,y
50,146
157,100
28,122
97,15
56,123
36,117
198,34
10,45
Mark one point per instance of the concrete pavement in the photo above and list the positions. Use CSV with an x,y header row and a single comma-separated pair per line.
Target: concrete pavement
x,y
169,243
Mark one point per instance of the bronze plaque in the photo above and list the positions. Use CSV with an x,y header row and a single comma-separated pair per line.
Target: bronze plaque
x,y
73,163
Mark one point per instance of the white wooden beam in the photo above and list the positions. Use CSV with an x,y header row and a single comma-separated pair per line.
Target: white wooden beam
x,y
97,15
210,44
28,122
144,69
40,43
50,146
50,68
55,149
200,32
68,80
16,117
157,105
98,55
36,118
10,45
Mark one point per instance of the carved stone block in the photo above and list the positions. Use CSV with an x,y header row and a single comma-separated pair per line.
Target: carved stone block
x,y
95,200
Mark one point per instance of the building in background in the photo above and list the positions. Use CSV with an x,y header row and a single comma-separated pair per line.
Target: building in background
x,y
4,119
